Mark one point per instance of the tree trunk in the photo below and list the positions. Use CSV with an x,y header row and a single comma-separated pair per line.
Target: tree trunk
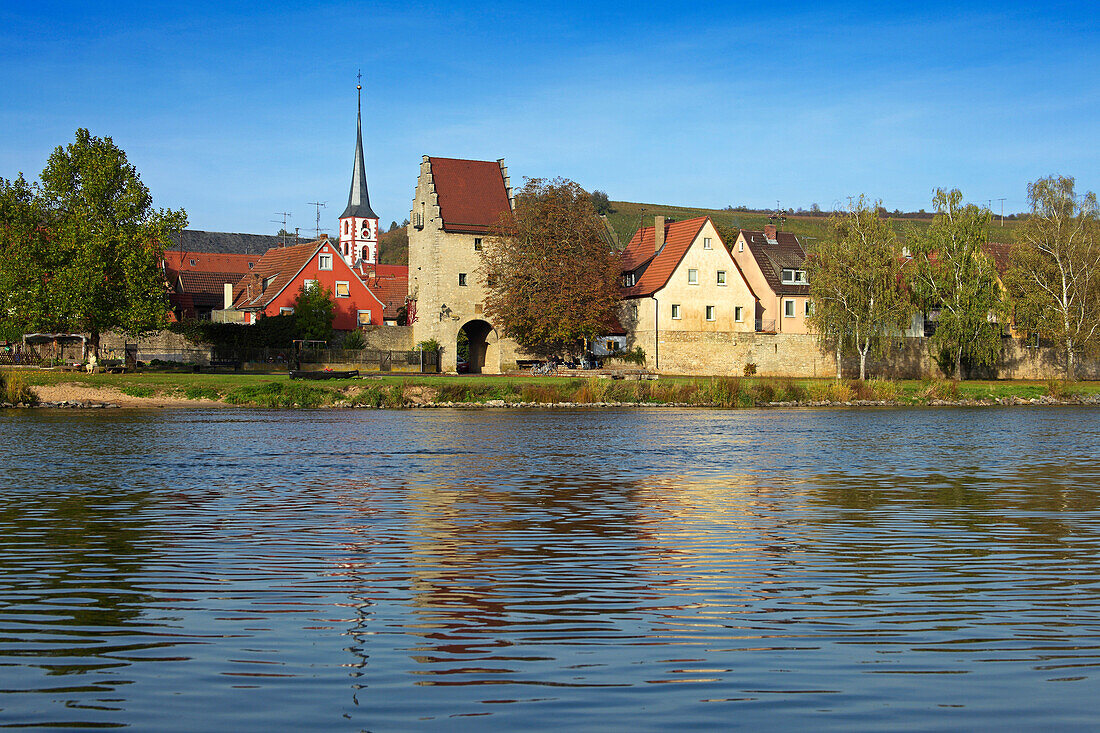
x,y
959,363
1071,365
863,360
839,375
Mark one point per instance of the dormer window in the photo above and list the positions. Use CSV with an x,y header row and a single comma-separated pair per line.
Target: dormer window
x,y
629,279
192,263
251,265
794,277
268,281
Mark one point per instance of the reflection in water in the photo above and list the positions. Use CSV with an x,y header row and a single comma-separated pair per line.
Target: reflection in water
x,y
650,569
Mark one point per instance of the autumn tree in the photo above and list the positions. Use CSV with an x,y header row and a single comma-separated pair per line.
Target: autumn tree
x,y
92,263
952,273
859,298
551,277
1054,279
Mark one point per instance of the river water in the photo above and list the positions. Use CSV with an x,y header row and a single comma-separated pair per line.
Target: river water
x,y
637,569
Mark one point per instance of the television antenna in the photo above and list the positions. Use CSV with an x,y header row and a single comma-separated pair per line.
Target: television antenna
x,y
286,215
318,205
1002,200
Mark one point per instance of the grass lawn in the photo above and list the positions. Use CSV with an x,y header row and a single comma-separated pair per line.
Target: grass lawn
x,y
394,390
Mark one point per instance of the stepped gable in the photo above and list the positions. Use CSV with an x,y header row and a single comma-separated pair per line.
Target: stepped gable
x,y
195,241
773,257
659,266
279,267
472,194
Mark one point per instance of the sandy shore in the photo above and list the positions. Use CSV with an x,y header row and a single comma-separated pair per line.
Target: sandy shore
x,y
68,392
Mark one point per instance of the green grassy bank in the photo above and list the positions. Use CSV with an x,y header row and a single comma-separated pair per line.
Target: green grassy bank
x,y
408,391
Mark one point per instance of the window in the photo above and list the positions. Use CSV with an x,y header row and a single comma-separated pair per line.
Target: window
x,y
251,265
343,289
629,279
611,345
462,279
795,277
675,311
477,244
364,318
740,246
738,314
693,277
788,308
285,311
324,262
706,243
721,277
309,284
634,311
192,263
809,309
710,312
268,281
347,226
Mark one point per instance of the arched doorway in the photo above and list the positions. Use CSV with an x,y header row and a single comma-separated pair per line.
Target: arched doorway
x,y
477,346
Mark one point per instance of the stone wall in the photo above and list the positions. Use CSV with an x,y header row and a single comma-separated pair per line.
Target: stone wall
x,y
798,355
389,338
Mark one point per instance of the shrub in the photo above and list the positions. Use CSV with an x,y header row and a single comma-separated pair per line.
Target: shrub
x,y
1058,389
137,390
379,396
629,356
726,392
750,369
354,341
940,389
14,389
428,345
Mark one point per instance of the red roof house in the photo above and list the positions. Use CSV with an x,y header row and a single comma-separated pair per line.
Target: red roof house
x,y
273,285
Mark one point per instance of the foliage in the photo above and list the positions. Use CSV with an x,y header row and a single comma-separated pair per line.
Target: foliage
x,y
195,392
856,286
953,274
137,390
313,313
393,246
428,345
601,203
14,389
1054,280
82,251
269,331
554,281
629,356
355,341
750,369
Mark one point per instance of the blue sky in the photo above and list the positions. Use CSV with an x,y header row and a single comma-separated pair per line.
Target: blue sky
x,y
234,111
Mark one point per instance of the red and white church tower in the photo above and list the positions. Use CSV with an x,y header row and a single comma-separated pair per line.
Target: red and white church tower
x,y
359,223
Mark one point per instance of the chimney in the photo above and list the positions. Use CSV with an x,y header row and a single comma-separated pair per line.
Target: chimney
x,y
227,296
658,233
769,232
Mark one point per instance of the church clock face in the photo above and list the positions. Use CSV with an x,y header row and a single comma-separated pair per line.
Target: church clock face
x,y
369,230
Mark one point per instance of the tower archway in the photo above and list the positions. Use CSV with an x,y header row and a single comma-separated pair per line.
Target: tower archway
x,y
481,347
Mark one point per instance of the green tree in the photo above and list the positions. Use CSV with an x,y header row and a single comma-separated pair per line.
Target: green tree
x,y
313,313
552,279
859,297
93,261
955,275
601,203
1054,279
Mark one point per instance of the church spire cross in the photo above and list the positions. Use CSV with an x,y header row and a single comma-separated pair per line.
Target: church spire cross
x,y
359,223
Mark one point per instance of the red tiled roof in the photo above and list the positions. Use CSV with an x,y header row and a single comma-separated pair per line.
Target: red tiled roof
x,y
212,283
771,258
1001,255
472,195
180,261
282,264
389,283
678,237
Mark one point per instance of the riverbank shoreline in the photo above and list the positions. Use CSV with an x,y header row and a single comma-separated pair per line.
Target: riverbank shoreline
x,y
70,395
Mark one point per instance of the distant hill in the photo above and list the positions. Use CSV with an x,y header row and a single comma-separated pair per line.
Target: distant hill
x,y
626,217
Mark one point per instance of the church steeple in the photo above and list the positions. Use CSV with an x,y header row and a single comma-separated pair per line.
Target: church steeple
x,y
359,223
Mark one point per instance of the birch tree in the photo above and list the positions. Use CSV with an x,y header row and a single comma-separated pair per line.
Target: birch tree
x,y
859,297
954,274
1054,280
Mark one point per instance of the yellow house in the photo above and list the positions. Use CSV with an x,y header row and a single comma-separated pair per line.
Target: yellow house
x,y
773,263
679,276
